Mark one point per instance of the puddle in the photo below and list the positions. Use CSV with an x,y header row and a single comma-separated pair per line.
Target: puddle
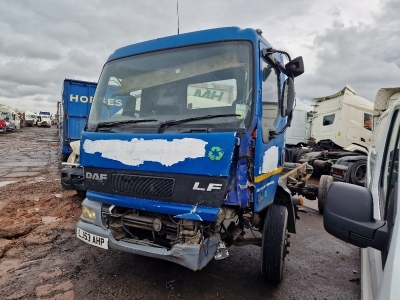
x,y
23,164
4,183
21,174
48,219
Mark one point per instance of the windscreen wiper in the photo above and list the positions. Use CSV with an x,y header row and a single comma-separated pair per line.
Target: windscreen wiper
x,y
117,123
166,124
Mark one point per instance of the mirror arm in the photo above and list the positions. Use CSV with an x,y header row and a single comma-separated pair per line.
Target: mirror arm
x,y
267,54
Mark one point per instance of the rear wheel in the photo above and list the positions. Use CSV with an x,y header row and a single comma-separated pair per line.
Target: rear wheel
x,y
274,244
358,172
324,183
300,153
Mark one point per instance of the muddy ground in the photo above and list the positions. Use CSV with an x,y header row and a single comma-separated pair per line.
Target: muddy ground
x,y
40,257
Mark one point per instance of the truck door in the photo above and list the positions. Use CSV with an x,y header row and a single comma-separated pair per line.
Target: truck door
x,y
268,152
382,265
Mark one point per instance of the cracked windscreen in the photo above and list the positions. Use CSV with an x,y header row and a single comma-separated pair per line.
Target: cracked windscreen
x,y
176,84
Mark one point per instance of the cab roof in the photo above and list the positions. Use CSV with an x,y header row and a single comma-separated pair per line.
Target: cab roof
x,y
187,39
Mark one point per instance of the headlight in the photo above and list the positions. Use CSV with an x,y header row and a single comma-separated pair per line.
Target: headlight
x,y
88,213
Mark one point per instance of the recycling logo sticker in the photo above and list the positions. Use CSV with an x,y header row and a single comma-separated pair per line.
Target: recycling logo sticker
x,y
215,153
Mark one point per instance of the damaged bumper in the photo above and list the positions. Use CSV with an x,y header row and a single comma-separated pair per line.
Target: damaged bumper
x,y
191,256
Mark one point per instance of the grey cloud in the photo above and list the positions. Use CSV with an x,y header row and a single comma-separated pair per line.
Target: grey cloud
x,y
27,49
364,56
44,42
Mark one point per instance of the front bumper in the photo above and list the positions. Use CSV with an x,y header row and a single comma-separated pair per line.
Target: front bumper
x,y
191,256
72,179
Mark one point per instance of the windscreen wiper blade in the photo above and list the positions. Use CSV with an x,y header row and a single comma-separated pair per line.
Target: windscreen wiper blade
x,y
117,123
166,124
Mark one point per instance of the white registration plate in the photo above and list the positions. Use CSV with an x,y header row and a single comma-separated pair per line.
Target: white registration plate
x,y
92,239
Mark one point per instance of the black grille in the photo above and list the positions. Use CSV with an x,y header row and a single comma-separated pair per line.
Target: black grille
x,y
143,185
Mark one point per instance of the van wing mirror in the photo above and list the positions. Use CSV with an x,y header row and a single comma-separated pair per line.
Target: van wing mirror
x,y
287,99
348,215
295,67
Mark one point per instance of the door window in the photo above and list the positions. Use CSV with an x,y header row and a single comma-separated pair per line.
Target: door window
x,y
368,121
328,120
270,96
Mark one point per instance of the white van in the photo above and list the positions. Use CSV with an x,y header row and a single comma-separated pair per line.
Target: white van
x,y
369,217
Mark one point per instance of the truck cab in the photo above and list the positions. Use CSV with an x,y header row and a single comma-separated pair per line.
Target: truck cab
x,y
193,156
368,217
11,118
43,120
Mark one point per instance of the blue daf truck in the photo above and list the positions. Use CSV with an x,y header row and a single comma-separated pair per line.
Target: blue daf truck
x,y
195,156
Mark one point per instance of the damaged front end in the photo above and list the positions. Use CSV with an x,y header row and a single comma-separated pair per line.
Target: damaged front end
x,y
190,243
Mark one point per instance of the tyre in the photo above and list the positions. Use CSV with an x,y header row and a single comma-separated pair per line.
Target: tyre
x,y
274,244
324,183
358,172
299,154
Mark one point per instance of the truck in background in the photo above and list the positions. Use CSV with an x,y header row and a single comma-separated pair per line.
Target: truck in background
x,y
340,135
76,100
368,217
298,134
178,176
29,118
11,117
43,119
3,123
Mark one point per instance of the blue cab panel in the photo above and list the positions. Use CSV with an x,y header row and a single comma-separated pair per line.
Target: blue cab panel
x,y
193,153
77,98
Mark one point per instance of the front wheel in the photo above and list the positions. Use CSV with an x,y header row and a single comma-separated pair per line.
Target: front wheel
x,y
274,244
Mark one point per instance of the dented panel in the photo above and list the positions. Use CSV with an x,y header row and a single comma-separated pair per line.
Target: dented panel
x,y
194,153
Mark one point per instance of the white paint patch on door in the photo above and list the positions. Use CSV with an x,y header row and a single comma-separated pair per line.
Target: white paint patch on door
x,y
137,151
270,160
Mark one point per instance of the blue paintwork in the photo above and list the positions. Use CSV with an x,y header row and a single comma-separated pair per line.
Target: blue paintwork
x,y
200,166
239,195
186,39
264,191
175,209
75,112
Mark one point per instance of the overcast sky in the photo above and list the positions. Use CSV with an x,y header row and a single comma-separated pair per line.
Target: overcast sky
x,y
42,42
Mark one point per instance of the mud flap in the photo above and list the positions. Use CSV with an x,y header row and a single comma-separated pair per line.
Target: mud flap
x,y
284,197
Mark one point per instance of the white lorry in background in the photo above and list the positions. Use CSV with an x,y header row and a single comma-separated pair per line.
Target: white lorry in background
x,y
30,118
369,217
340,134
43,119
11,117
300,129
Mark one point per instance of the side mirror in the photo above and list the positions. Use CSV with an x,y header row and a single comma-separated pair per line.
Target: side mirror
x,y
348,215
295,67
287,99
